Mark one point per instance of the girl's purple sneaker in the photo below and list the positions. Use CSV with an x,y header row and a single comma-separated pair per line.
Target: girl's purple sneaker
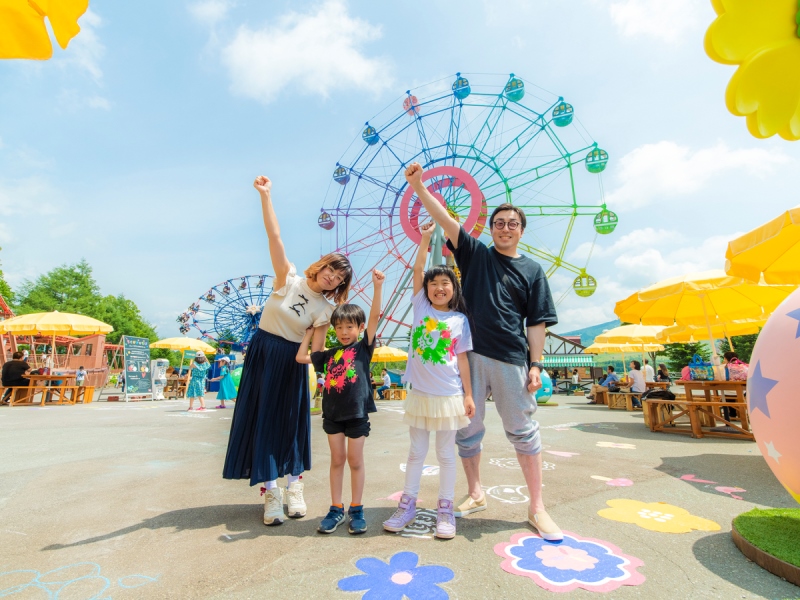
x,y
404,515
445,521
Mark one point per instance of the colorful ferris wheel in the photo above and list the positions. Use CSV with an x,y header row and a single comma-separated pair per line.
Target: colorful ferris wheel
x,y
229,311
482,140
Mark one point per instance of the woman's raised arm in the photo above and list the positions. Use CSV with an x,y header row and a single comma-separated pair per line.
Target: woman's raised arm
x,y
277,252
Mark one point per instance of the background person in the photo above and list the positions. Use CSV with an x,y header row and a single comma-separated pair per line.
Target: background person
x,y
609,378
227,389
635,381
649,373
198,371
15,374
387,383
80,376
663,373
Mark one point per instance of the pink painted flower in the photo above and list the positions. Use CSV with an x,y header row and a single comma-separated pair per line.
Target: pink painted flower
x,y
445,334
565,558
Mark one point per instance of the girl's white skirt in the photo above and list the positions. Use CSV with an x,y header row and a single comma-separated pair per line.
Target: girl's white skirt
x,y
435,413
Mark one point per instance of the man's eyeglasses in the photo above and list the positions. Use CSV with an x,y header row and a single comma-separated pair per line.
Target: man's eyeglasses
x,y
512,225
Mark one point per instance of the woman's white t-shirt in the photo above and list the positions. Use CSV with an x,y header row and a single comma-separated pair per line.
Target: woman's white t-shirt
x,y
638,385
575,379
294,308
436,338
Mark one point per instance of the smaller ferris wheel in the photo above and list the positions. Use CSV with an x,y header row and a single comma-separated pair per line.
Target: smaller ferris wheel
x,y
229,311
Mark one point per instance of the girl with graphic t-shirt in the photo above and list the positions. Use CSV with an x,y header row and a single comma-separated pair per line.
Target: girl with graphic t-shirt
x,y
441,396
271,428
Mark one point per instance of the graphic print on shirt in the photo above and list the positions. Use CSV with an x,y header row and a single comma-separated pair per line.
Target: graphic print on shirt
x,y
337,374
432,341
302,305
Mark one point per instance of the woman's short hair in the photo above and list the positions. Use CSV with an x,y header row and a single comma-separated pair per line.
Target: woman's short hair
x,y
637,365
337,262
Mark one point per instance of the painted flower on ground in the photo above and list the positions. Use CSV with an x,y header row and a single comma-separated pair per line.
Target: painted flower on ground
x,y
762,38
399,579
620,445
577,562
656,516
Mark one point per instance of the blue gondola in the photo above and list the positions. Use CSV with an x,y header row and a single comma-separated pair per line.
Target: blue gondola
x,y
461,87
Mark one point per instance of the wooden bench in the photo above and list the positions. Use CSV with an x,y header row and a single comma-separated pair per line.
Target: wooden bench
x,y
703,418
394,394
21,395
622,400
601,396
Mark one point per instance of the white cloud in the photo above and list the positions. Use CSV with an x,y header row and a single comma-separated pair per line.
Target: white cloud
x,y
72,100
313,53
86,49
99,102
633,262
666,20
27,196
667,169
210,12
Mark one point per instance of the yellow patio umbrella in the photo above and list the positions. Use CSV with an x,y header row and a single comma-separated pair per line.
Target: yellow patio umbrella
x,y
771,250
53,324
23,33
630,334
384,354
681,334
636,336
182,344
701,299
707,298
622,348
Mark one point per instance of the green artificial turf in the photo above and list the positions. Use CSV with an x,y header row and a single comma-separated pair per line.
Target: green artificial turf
x,y
775,531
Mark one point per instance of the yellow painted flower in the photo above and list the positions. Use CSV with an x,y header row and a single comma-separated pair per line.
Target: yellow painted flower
x,y
762,38
23,33
338,355
656,516
430,324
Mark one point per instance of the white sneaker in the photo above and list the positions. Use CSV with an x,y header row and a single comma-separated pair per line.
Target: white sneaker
x,y
296,503
273,507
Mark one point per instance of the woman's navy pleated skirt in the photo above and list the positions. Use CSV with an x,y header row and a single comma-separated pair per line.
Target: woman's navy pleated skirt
x,y
271,428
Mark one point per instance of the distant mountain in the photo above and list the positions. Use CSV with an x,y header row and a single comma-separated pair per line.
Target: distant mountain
x,y
589,333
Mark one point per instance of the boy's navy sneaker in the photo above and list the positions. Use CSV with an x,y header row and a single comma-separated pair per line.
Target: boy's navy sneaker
x,y
334,518
357,522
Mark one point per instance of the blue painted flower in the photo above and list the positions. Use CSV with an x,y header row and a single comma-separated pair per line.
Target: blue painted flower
x,y
400,578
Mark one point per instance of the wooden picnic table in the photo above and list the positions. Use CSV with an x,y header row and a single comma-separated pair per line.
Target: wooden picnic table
x,y
66,392
705,404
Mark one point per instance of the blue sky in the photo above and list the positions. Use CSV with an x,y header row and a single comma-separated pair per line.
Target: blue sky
x,y
136,147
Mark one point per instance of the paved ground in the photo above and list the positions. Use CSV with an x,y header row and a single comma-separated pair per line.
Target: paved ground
x,y
126,501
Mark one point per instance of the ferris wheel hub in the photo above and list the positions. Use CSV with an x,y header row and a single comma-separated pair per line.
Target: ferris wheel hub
x,y
253,309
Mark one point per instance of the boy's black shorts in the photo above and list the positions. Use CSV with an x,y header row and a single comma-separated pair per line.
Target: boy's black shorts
x,y
352,428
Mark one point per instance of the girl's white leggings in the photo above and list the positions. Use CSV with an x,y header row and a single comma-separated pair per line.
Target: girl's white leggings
x,y
445,453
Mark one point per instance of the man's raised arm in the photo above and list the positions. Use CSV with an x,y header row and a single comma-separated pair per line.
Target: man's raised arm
x,y
437,212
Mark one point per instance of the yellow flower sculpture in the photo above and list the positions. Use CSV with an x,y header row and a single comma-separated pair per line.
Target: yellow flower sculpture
x,y
762,38
656,516
23,33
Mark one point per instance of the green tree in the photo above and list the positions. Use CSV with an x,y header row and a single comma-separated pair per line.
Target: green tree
x,y
743,344
68,288
72,288
5,289
680,355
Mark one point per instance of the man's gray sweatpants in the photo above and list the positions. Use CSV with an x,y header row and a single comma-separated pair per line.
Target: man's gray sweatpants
x,y
507,384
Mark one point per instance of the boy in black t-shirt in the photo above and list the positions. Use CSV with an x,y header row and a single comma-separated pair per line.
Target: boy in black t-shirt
x,y
346,401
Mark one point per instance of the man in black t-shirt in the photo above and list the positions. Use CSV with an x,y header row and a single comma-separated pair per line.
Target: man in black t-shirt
x,y
14,374
509,306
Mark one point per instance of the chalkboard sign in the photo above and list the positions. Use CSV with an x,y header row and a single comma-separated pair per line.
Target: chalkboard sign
x,y
137,366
